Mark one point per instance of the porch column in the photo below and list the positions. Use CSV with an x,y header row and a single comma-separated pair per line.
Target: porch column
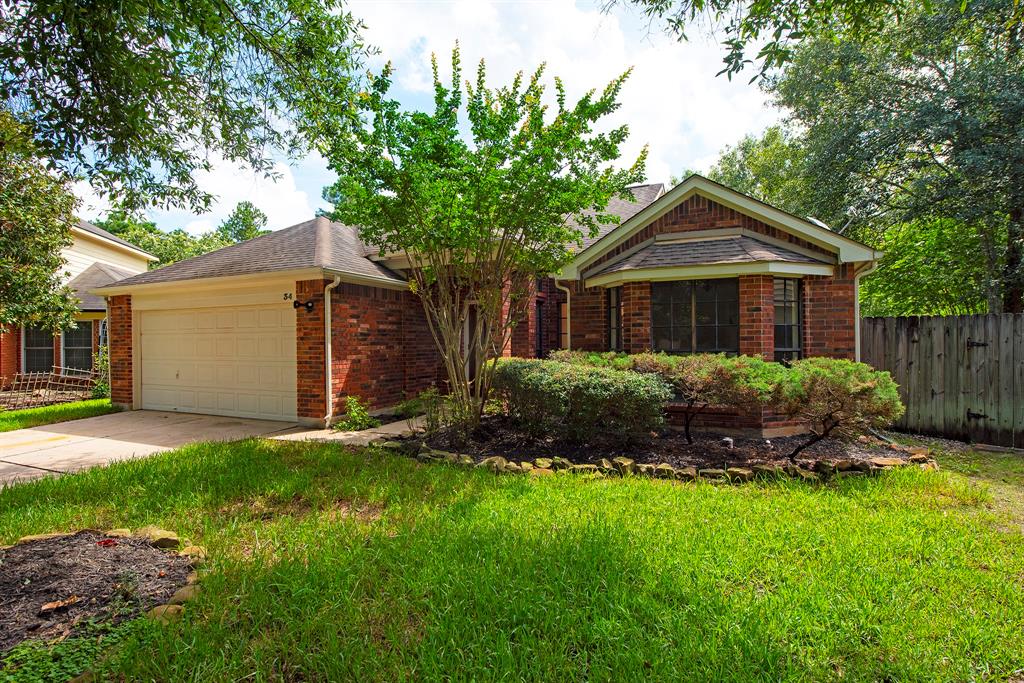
x,y
757,316
311,403
119,345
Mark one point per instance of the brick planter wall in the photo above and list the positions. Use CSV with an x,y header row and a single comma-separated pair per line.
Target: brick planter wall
x,y
119,339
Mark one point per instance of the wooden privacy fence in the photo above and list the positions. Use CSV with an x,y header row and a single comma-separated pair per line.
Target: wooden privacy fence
x,y
960,376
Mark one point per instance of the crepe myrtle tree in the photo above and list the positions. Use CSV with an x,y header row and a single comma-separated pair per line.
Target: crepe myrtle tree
x,y
480,206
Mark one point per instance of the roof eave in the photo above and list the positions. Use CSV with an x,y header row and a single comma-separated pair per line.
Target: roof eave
x,y
116,245
846,249
709,270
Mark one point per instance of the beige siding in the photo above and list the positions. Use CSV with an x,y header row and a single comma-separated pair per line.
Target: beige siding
x,y
85,251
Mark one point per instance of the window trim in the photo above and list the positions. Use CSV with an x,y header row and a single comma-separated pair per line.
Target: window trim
x,y
797,351
692,285
24,352
85,325
617,346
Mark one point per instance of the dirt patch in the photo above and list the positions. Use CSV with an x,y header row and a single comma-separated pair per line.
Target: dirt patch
x,y
48,587
498,436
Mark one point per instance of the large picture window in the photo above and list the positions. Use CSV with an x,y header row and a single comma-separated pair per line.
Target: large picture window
x,y
78,347
615,319
787,319
699,316
38,350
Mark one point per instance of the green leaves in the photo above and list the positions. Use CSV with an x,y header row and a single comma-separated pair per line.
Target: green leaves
x,y
136,96
36,215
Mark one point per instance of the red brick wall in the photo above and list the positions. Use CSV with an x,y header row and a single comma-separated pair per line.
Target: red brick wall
x,y
757,316
119,338
524,334
381,347
636,316
830,314
309,350
10,355
588,310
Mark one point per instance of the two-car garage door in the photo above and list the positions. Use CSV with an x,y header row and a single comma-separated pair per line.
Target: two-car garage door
x,y
237,360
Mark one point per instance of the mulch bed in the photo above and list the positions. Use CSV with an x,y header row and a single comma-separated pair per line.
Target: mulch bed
x,y
49,586
498,436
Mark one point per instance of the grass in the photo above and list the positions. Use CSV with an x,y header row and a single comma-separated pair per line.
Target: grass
x,y
332,564
61,412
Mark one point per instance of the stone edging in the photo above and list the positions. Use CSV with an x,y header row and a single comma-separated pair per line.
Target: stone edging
x,y
816,470
158,538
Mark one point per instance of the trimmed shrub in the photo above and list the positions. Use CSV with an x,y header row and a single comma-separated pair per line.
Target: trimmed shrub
x,y
578,401
838,398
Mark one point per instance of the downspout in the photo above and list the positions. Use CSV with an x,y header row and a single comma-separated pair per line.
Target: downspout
x,y
867,270
327,351
568,315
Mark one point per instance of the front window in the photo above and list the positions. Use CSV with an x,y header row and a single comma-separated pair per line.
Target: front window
x,y
38,350
563,325
699,316
78,347
787,319
615,319
539,336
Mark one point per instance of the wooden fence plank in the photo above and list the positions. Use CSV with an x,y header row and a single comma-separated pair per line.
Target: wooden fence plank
x,y
949,366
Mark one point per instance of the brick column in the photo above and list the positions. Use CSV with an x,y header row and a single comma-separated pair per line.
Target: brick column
x,y
829,314
119,340
757,316
636,317
311,402
10,354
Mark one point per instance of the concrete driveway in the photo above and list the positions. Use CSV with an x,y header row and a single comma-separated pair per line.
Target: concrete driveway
x,y
72,446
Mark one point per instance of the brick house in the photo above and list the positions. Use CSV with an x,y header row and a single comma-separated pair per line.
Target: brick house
x,y
244,331
95,258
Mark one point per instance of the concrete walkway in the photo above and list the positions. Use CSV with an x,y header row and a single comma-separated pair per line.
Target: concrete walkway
x,y
78,444
363,438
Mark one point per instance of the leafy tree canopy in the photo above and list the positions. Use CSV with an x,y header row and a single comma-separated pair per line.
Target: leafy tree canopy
x,y
136,95
479,206
924,121
36,215
774,27
244,223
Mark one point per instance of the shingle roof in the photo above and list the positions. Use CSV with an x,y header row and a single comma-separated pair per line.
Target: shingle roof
x,y
96,275
317,243
625,209
100,232
710,251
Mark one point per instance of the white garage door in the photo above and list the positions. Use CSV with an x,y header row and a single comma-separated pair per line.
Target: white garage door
x,y
237,361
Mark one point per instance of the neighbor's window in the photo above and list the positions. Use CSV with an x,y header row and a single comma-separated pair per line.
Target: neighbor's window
x,y
563,325
696,316
615,319
38,350
78,347
787,319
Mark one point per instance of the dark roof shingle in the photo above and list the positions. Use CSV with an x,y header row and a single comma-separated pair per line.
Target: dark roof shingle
x,y
316,243
643,195
95,276
709,251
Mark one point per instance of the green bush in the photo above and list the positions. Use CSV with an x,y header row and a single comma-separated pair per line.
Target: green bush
x,y
838,398
357,416
580,402
101,385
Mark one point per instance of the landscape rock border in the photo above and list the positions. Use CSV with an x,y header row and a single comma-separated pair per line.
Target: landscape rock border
x,y
809,471
162,539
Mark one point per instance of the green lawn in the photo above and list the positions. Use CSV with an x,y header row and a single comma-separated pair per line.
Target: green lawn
x,y
62,412
352,565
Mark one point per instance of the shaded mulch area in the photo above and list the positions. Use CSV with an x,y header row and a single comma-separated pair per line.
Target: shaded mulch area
x,y
497,435
49,586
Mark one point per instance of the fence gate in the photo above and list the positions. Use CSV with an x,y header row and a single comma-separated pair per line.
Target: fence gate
x,y
959,376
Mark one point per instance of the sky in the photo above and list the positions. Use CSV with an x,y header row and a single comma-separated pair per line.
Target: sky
x,y
673,101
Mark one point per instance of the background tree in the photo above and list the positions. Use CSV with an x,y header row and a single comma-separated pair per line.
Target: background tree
x,y
925,121
136,95
478,221
168,247
36,215
244,223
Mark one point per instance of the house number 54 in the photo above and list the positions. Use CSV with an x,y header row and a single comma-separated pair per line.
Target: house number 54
x,y
287,296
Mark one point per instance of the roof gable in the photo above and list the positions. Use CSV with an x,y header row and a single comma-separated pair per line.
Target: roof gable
x,y
845,249
97,232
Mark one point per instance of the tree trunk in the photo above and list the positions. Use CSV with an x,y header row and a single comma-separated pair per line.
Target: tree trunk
x,y
1013,271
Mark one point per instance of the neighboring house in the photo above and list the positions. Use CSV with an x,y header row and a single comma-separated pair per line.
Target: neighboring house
x,y
243,331
94,259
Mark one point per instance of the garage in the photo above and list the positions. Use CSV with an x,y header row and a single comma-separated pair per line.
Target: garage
x,y
227,360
